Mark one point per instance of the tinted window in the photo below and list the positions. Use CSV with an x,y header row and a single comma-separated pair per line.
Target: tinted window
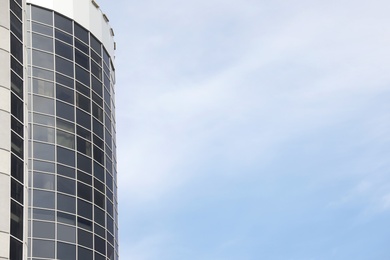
x,y
43,151
44,74
16,220
84,209
43,248
85,239
63,36
65,171
82,75
65,111
64,66
42,87
82,59
16,190
66,233
42,59
43,229
66,185
84,191
65,94
83,102
65,156
43,199
66,203
43,181
66,251
81,33
42,133
42,42
41,15
63,23
40,28
64,50
95,44
66,81
43,105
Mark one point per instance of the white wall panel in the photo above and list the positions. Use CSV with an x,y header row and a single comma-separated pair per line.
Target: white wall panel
x,y
4,248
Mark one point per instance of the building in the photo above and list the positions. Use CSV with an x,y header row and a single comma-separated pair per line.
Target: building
x,y
58,178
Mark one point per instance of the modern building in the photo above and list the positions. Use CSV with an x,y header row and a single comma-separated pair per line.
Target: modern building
x,y
58,178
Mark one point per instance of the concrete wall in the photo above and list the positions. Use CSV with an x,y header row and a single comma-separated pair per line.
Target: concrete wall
x,y
5,133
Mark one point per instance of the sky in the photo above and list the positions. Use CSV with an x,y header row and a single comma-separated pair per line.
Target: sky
x,y
253,129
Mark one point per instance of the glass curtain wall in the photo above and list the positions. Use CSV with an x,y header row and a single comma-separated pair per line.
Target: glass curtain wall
x,y
17,130
72,172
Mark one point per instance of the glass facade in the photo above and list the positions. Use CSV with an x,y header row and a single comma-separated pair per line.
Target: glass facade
x,y
17,131
72,189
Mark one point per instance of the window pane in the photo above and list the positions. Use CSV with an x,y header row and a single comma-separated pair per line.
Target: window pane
x,y
83,102
16,220
17,168
95,44
39,28
42,42
43,214
64,80
17,107
82,75
17,145
66,251
43,229
65,125
84,209
43,105
65,171
42,87
84,191
65,156
66,233
42,133
65,139
64,36
43,119
63,23
43,199
66,185
65,111
16,84
64,50
83,119
82,59
84,254
43,151
66,218
41,15
44,74
44,166
66,203
81,33
85,238
16,249
65,94
64,66
42,59
43,248
16,190
16,48
43,181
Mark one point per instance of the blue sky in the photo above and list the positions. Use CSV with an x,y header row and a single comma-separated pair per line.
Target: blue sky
x,y
253,129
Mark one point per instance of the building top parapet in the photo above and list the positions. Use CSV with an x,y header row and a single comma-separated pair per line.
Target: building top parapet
x,y
88,14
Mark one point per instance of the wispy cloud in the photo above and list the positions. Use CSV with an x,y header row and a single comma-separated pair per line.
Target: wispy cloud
x,y
270,116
